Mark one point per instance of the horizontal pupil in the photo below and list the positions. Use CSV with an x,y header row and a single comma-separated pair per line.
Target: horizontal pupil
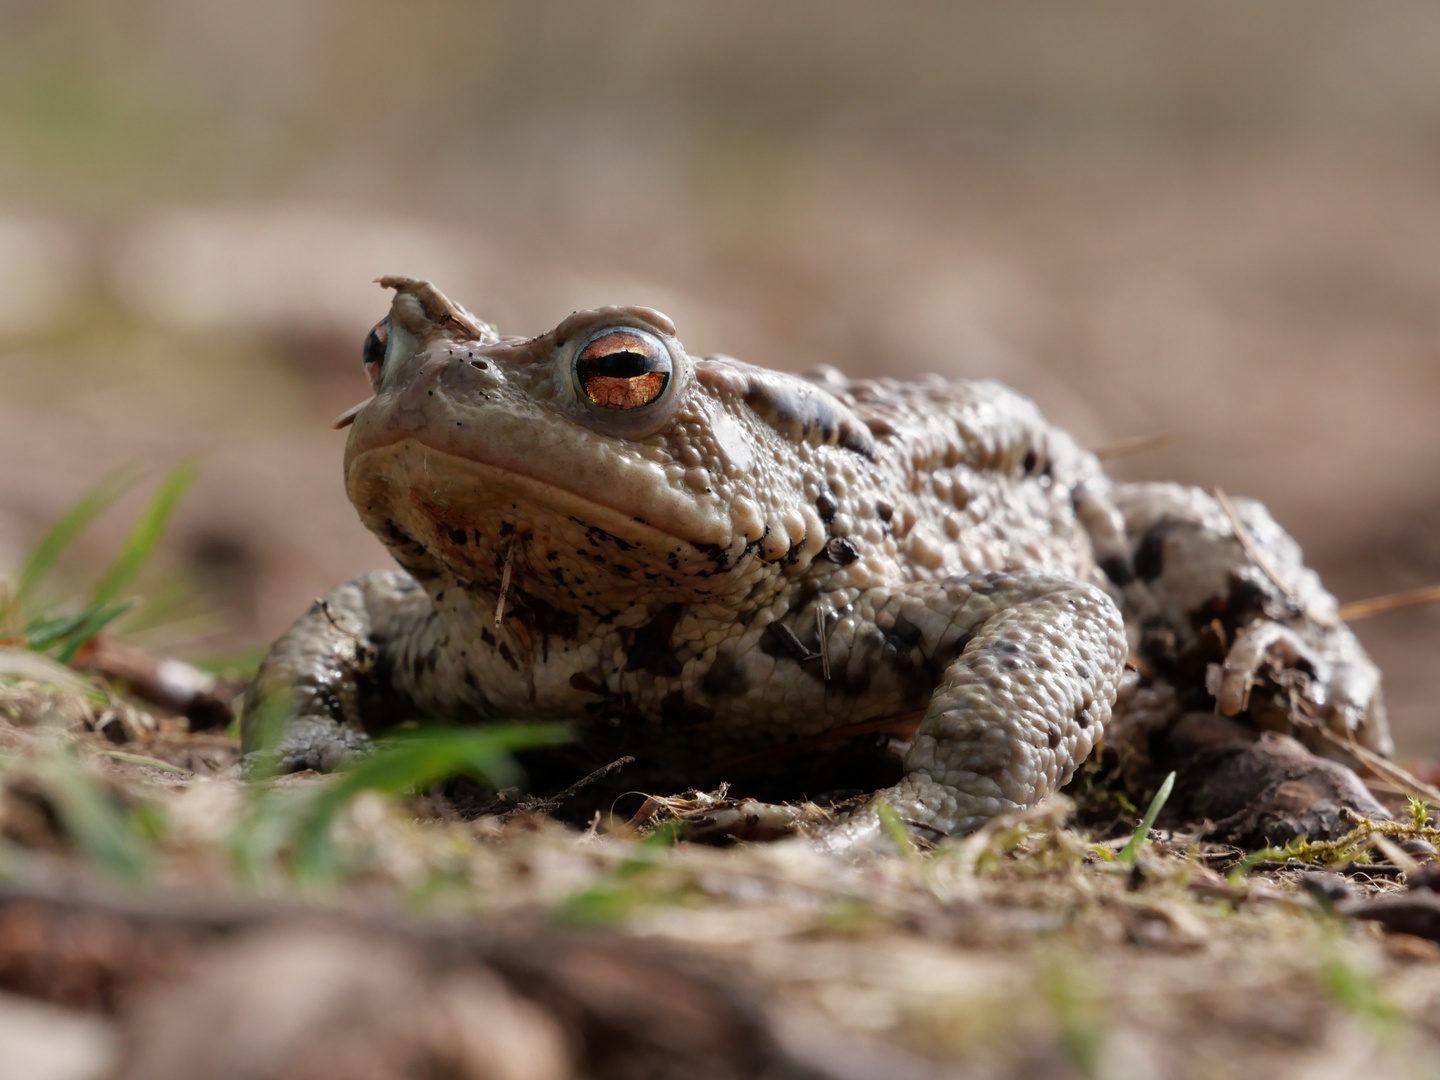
x,y
617,365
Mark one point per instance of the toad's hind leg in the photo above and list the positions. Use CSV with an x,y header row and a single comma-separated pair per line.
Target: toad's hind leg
x,y
1227,618
1217,580
1014,713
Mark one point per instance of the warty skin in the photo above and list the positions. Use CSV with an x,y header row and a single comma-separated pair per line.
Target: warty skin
x,y
744,558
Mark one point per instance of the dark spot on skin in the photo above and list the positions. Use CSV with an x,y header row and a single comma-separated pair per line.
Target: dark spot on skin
x,y
508,656
1245,600
1118,569
946,655
650,649
857,682
726,677
595,535
397,535
994,767
487,637
878,427
905,636
1055,735
714,552
780,640
547,621
1150,554
884,509
857,439
825,506
1031,460
1084,719
469,680
1082,672
841,551
982,584
584,683
675,710
787,403
415,570
1005,647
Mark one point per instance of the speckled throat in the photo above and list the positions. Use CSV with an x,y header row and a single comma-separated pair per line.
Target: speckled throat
x,y
447,517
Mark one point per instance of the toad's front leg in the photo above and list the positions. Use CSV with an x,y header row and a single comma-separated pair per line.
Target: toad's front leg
x,y
1016,711
329,680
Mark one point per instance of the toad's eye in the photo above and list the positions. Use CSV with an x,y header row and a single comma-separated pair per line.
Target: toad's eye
x,y
623,368
373,353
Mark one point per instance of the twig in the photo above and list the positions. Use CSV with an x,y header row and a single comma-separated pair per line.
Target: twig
x,y
1379,605
1388,770
141,759
824,642
504,583
1260,559
551,802
1135,444
346,418
171,684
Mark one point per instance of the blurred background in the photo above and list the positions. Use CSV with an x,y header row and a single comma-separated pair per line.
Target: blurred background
x,y
1218,221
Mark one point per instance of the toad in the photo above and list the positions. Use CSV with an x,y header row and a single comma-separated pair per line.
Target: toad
x,y
703,563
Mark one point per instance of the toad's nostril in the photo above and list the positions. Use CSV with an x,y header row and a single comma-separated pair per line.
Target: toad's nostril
x,y
481,364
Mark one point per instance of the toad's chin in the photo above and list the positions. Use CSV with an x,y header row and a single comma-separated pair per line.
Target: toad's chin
x,y
445,515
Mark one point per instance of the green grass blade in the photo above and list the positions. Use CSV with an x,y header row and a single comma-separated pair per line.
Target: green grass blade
x,y
1131,850
41,633
896,830
99,826
146,534
68,526
414,760
98,617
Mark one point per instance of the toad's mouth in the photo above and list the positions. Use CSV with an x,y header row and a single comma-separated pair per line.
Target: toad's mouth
x,y
462,511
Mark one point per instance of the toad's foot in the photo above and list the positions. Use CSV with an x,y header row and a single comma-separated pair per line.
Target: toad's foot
x,y
309,743
1015,713
323,685
1031,663
1341,691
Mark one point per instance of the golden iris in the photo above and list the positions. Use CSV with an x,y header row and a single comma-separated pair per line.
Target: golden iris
x,y
623,368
